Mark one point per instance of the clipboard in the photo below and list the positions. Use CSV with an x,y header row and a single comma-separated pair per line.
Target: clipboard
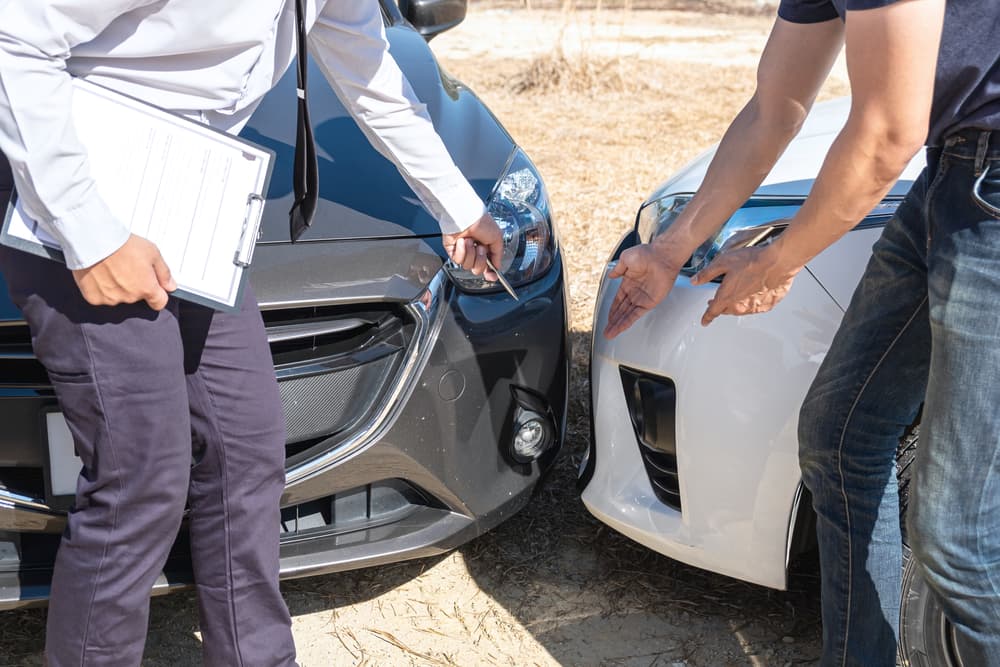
x,y
194,191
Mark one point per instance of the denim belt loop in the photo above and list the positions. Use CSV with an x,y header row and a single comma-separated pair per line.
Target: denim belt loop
x,y
981,147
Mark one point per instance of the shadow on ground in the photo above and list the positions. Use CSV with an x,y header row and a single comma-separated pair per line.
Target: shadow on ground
x,y
585,593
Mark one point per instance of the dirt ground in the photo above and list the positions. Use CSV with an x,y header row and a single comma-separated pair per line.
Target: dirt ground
x,y
608,103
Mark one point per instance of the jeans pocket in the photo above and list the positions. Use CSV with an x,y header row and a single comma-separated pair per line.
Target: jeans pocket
x,y
986,189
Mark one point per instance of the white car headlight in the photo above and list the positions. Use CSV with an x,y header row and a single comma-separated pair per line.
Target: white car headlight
x,y
757,222
520,206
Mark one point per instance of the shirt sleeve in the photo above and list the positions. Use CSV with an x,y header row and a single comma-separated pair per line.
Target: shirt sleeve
x,y
50,165
855,5
349,43
807,11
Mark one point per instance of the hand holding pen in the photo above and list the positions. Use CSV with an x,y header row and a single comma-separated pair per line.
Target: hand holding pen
x,y
479,249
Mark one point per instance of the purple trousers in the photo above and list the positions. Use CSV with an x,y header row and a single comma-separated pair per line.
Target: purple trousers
x,y
170,409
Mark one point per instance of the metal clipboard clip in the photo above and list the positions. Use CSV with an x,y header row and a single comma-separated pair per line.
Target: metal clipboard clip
x,y
251,230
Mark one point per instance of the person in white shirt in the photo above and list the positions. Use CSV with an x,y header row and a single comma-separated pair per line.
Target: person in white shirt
x,y
171,403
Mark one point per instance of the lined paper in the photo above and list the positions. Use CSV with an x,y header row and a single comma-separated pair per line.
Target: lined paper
x,y
177,183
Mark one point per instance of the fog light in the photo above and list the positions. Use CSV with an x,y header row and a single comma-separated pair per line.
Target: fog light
x,y
529,441
534,431
532,437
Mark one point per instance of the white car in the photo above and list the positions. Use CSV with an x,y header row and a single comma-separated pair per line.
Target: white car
x,y
694,450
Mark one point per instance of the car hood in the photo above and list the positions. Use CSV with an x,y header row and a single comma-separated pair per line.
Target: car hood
x,y
795,171
362,195
365,203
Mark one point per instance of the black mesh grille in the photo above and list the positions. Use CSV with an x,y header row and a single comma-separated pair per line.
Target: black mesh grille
x,y
335,365
328,403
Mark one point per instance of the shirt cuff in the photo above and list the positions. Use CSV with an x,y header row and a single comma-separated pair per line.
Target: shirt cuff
x,y
88,233
461,207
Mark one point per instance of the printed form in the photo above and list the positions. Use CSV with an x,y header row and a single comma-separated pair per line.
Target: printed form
x,y
193,191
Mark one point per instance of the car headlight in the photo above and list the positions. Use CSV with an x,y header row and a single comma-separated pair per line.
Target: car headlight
x,y
520,206
759,221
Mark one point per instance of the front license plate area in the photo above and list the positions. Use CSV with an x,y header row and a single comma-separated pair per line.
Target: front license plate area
x,y
64,465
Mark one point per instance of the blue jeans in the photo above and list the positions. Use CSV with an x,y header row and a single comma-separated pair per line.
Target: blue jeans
x,y
922,329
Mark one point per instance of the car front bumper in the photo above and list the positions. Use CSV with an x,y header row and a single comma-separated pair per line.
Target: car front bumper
x,y
738,385
428,471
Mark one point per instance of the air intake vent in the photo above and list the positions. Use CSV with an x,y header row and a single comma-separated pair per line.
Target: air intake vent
x,y
651,404
361,508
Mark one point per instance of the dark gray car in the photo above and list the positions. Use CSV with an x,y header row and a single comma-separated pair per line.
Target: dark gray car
x,y
423,405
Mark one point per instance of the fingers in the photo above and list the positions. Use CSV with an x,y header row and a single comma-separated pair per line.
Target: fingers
x,y
716,268
723,303
472,247
489,243
458,252
469,254
619,305
618,270
715,308
151,291
163,275
479,268
626,309
157,298
624,319
134,273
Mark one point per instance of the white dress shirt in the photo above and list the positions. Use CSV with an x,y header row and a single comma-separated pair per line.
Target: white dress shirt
x,y
209,60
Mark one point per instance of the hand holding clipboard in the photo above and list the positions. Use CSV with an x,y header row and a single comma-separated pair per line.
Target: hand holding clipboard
x,y
194,192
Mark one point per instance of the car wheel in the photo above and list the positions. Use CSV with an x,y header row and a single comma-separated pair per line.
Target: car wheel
x,y
926,637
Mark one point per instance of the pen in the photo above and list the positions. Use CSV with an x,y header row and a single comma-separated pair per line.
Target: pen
x,y
503,281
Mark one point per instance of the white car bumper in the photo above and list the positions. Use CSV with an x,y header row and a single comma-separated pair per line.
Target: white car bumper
x,y
739,384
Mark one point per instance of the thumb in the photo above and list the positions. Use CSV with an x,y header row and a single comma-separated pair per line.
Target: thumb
x,y
157,299
618,270
163,275
715,269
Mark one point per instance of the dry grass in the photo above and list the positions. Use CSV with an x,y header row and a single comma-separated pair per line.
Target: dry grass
x,y
741,7
557,73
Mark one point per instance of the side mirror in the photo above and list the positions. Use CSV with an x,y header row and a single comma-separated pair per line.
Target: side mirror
x,y
432,17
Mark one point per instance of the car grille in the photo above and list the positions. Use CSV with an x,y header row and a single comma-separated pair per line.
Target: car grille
x,y
651,402
334,366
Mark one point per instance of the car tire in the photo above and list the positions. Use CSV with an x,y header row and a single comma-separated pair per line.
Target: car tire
x,y
926,637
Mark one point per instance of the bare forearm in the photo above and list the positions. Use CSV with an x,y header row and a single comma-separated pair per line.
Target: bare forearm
x,y
795,62
748,151
891,57
861,167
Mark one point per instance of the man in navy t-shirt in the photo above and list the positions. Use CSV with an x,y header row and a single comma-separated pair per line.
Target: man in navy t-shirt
x,y
921,338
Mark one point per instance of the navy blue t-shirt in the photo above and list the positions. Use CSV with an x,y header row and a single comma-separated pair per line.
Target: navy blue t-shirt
x,y
967,83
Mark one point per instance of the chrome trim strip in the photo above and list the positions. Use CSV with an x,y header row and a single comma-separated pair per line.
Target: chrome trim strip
x,y
283,332
793,518
11,499
23,513
429,316
336,364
